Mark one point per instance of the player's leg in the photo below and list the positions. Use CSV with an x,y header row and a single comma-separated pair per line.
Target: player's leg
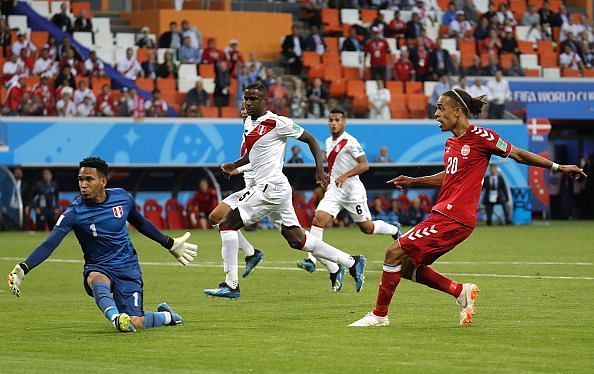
x,y
217,215
361,215
98,285
321,220
489,213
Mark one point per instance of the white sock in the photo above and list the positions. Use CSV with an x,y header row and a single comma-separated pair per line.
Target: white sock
x,y
167,317
229,252
318,232
244,245
326,251
381,227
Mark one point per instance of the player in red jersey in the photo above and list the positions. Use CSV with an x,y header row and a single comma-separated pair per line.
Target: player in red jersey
x,y
453,218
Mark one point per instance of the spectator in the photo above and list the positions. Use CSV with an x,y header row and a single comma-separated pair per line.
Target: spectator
x,y
256,67
397,27
492,44
129,66
212,55
545,13
270,77
500,93
470,12
24,191
93,66
156,107
82,22
297,99
535,33
277,98
222,85
478,89
45,201
46,97
383,156
449,15
85,108
5,37
475,68
414,27
65,78
462,84
380,23
107,103
439,61
515,70
69,59
206,200
588,55
313,12
168,69
415,212
243,80
317,100
150,67
132,104
495,192
23,43
233,57
482,30
14,96
419,56
193,33
292,48
379,51
295,155
64,47
573,43
509,44
380,103
570,59
65,106
352,43
197,96
460,28
13,67
31,105
193,111
146,40
505,15
186,54
377,210
63,20
7,7
492,66
314,41
84,91
560,18
531,17
171,39
52,48
403,68
441,86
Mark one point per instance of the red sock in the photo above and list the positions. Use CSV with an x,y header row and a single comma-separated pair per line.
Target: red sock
x,y
429,277
385,292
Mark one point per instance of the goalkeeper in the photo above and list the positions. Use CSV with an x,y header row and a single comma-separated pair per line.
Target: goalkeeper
x,y
111,271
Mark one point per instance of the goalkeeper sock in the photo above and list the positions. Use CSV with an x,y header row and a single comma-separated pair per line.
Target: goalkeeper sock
x,y
102,295
318,232
244,245
229,254
156,319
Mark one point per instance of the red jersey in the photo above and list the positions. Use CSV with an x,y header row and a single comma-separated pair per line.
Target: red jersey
x,y
466,159
378,49
404,70
212,56
206,201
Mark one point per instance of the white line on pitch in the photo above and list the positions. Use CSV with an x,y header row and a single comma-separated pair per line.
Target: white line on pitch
x,y
218,265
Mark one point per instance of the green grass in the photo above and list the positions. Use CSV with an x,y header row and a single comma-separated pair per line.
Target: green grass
x,y
288,321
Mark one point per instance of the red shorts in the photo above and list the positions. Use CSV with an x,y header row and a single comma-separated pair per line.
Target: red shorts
x,y
433,237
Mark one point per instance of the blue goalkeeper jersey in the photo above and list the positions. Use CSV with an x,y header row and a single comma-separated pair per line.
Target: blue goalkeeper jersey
x,y
101,230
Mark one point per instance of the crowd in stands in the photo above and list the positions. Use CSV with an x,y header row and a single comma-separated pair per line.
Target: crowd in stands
x,y
366,59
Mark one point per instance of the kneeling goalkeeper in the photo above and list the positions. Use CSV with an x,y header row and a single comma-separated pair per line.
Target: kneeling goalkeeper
x,y
111,271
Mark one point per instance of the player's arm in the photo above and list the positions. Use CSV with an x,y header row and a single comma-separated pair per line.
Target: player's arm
x,y
239,170
403,181
528,158
41,253
182,251
361,167
321,177
229,167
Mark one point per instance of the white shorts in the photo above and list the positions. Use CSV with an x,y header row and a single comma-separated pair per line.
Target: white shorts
x,y
265,199
334,200
233,199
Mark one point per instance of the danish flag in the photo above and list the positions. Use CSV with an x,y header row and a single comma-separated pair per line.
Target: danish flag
x,y
538,126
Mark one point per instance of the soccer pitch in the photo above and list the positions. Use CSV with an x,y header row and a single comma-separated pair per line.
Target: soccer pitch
x,y
534,313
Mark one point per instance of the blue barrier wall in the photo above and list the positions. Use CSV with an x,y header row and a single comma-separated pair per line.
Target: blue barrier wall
x,y
181,142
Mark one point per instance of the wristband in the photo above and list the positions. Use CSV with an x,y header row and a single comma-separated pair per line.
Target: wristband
x,y
168,242
25,266
555,166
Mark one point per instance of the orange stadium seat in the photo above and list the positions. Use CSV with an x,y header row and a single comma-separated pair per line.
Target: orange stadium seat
x,y
80,78
368,15
210,111
466,59
33,80
413,87
166,84
331,58
98,82
143,53
526,47
545,46
331,44
206,70
331,21
310,59
567,72
39,38
467,46
395,87
351,73
532,72
332,72
444,30
398,108
147,84
360,104
518,8
555,31
229,112
548,59
556,5
355,88
76,7
506,60
589,73
316,71
338,87
417,105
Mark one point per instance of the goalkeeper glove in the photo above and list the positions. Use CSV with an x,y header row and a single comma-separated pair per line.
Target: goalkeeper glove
x,y
15,277
182,251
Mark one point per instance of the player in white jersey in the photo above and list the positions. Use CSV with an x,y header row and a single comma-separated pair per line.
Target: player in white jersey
x,y
253,256
346,161
271,194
